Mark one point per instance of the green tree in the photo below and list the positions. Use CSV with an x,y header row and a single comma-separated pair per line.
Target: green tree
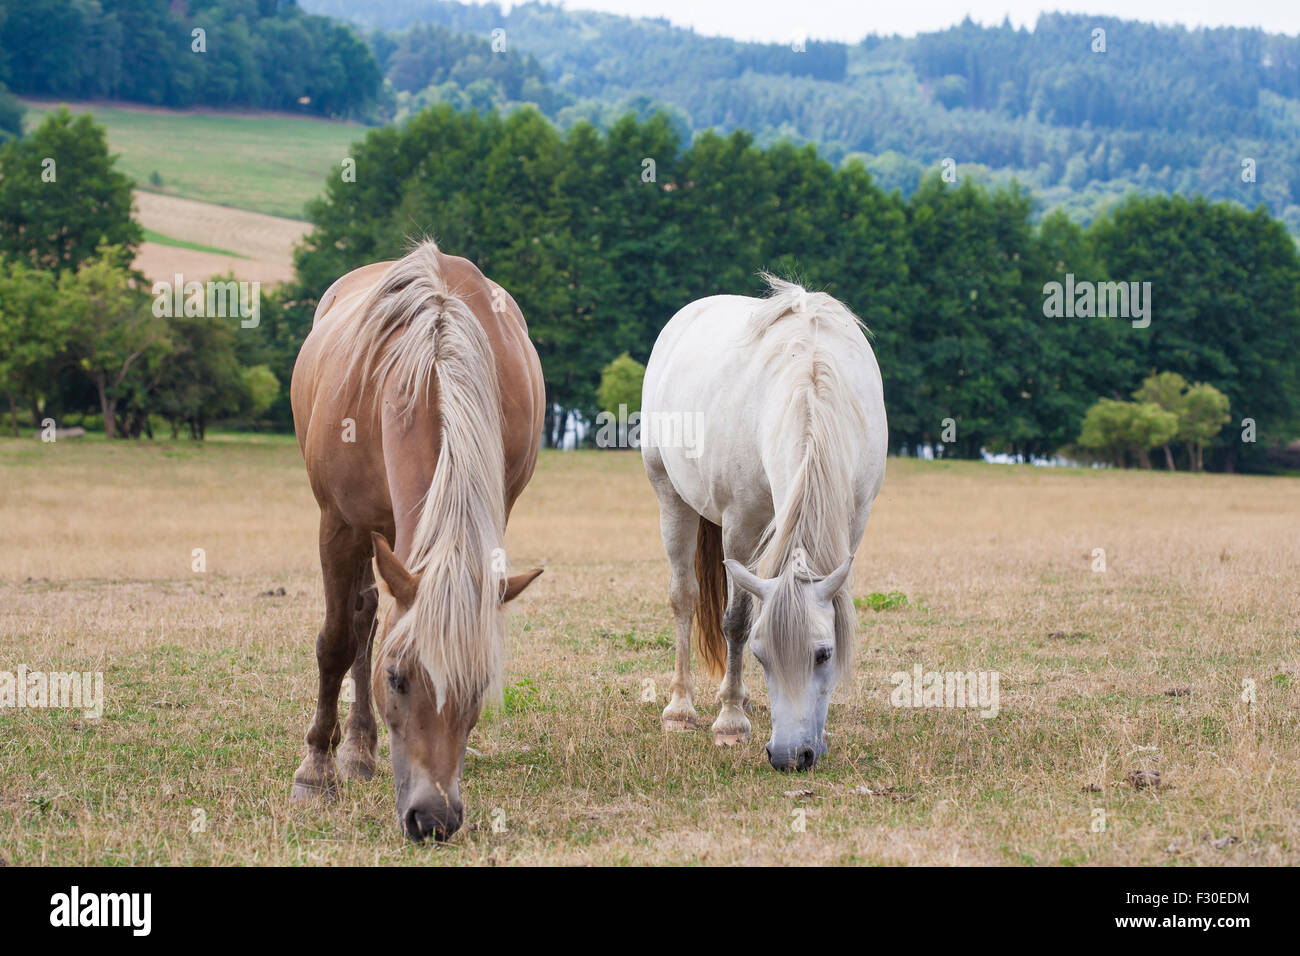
x,y
977,345
620,385
261,388
201,378
112,326
61,196
11,115
1204,413
33,332
1121,428
1166,390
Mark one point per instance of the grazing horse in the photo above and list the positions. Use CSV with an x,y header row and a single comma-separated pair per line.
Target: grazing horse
x,y
763,433
418,403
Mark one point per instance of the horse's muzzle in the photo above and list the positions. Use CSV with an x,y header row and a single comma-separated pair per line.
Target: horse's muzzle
x,y
439,823
788,759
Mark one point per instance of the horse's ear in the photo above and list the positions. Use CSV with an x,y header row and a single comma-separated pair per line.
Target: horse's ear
x,y
401,583
830,585
742,578
514,585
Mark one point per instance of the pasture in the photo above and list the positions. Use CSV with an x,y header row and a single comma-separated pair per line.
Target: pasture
x,y
231,188
270,163
210,678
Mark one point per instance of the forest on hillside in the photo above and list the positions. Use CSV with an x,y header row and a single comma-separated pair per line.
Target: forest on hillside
x,y
264,54
1082,110
1157,109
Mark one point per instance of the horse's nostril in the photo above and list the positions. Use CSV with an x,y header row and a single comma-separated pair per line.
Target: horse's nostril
x,y
807,758
784,761
421,824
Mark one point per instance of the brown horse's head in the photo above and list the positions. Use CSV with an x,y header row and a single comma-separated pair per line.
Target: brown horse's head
x,y
427,730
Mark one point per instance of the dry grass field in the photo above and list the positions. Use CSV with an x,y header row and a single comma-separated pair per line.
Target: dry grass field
x,y
209,681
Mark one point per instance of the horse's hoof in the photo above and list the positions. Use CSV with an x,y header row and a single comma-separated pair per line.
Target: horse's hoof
x,y
309,792
354,764
315,779
675,725
357,769
730,740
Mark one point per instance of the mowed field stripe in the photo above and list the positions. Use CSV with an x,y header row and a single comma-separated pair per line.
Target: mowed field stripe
x,y
264,243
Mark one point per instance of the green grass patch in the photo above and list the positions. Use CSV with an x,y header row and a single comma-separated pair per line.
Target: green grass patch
x,y
876,601
152,236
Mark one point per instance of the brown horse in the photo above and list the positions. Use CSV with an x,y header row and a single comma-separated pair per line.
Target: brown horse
x,y
418,403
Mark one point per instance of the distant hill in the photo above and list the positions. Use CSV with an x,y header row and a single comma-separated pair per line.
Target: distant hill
x,y
1159,108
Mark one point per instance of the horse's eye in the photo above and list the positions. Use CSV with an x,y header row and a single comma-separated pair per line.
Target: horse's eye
x,y
822,656
396,681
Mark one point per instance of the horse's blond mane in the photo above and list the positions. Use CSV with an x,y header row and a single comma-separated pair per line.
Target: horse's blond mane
x,y
802,336
411,331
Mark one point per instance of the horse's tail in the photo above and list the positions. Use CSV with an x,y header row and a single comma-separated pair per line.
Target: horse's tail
x,y
712,579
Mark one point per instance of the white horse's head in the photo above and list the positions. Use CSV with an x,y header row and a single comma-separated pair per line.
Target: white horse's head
x,y
803,637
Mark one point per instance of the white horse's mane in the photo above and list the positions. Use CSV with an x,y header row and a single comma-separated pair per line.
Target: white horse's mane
x,y
803,338
412,330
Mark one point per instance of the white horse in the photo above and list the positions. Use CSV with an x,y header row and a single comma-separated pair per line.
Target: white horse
x,y
763,433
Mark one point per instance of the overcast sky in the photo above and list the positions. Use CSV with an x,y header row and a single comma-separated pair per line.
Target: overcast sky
x,y
780,20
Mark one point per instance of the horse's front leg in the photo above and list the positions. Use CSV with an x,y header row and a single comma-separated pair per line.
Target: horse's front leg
x,y
732,726
357,754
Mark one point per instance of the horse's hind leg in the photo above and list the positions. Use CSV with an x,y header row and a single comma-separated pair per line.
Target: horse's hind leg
x,y
357,754
340,555
679,525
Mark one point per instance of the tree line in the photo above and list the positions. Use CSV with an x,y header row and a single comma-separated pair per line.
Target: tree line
x,y
602,235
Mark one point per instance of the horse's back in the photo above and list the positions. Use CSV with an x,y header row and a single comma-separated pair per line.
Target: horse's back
x,y
337,306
